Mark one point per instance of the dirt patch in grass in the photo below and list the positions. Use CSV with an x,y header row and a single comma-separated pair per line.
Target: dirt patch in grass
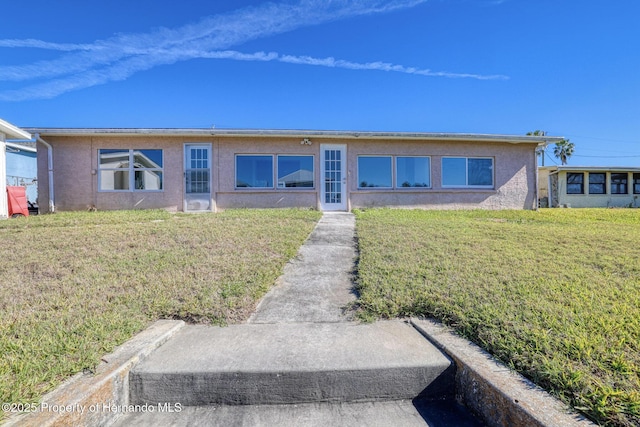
x,y
73,286
555,294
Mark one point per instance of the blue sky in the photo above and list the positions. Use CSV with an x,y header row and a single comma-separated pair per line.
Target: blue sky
x,y
569,67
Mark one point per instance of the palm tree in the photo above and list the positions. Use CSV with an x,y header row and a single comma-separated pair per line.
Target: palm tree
x,y
563,150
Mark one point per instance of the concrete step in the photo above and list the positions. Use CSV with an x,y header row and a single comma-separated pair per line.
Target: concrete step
x,y
265,364
371,414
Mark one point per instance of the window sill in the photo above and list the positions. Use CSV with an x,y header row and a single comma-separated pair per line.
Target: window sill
x,y
428,190
129,191
274,190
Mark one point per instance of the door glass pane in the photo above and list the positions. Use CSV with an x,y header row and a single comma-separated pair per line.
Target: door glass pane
x,y
332,176
198,181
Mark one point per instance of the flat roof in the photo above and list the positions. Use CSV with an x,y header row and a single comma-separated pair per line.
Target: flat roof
x,y
513,139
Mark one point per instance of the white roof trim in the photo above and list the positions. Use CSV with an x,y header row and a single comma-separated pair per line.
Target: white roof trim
x,y
13,132
21,147
555,169
513,139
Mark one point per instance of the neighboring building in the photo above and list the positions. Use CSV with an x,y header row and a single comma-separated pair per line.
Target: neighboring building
x,y
7,131
212,169
590,186
22,168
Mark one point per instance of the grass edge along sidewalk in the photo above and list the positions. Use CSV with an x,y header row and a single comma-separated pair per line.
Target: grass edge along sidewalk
x,y
554,294
73,286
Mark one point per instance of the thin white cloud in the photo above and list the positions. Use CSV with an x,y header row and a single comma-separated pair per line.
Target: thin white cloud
x,y
382,66
119,57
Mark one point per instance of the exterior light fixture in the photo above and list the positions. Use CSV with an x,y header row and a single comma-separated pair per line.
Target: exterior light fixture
x,y
305,141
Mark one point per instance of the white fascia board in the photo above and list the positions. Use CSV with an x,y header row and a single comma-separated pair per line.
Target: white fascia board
x,y
13,132
597,168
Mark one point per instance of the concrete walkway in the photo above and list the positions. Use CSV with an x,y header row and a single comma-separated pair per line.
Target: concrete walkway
x,y
317,286
301,359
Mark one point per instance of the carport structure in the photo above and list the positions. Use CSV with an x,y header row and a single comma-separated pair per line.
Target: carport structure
x,y
7,131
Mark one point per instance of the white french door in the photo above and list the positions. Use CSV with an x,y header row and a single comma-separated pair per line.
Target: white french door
x,y
333,192
197,177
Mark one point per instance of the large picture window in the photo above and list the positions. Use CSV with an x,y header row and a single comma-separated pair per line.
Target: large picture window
x,y
575,183
619,183
257,171
413,172
597,183
130,170
295,171
254,171
374,172
467,172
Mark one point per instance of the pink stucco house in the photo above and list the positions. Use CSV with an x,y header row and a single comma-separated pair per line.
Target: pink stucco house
x,y
213,169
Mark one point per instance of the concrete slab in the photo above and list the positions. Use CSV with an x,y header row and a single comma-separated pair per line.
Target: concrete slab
x,y
254,364
86,399
316,286
370,414
499,395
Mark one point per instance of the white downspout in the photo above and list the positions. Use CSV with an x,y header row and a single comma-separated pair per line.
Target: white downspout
x,y
52,205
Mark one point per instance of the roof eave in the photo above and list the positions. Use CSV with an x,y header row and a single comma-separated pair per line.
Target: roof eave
x,y
13,132
214,132
566,168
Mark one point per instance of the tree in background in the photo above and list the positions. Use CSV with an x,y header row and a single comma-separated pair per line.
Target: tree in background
x,y
563,150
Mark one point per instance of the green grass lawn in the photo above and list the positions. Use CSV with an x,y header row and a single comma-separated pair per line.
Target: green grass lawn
x,y
73,286
555,294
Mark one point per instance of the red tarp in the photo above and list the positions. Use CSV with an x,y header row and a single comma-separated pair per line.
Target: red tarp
x,y
17,198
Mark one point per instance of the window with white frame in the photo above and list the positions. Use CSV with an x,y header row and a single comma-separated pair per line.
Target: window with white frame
x,y
467,172
258,171
374,172
130,170
254,171
413,172
295,171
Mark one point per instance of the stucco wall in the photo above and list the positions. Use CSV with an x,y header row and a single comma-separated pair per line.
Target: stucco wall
x,y
514,176
75,161
227,196
76,178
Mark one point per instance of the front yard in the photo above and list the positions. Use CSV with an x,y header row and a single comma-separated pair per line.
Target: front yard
x,y
73,286
555,294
